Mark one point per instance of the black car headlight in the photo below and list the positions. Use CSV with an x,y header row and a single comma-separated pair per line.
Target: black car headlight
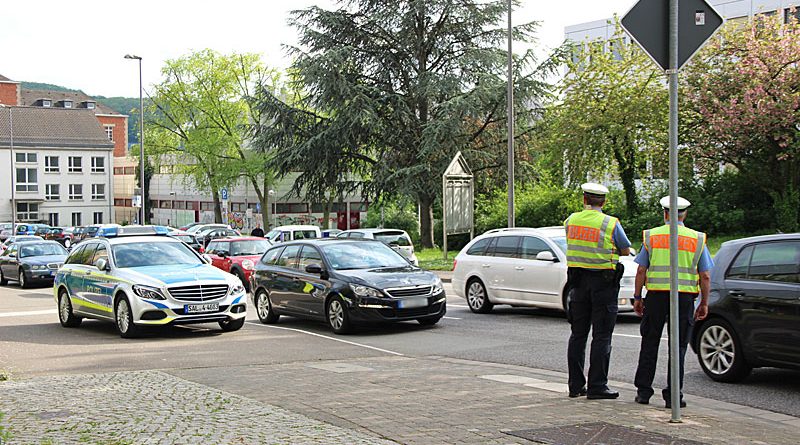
x,y
38,267
236,290
151,293
365,291
438,287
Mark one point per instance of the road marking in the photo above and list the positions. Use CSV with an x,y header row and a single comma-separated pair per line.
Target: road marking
x,y
327,337
636,336
458,305
451,318
27,313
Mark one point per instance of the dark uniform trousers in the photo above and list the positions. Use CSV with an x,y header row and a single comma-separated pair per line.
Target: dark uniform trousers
x,y
593,304
656,313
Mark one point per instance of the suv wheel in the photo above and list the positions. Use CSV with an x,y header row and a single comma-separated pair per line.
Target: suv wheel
x,y
720,352
477,298
264,308
65,315
124,319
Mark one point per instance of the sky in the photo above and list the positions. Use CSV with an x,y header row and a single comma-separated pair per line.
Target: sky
x,y
81,44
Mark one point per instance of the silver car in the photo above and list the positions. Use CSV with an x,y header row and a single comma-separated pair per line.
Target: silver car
x,y
138,276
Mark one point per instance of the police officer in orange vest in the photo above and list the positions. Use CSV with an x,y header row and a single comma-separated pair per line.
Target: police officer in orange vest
x,y
594,243
694,277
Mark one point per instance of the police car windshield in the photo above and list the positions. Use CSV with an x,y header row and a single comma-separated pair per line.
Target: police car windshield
x,y
153,254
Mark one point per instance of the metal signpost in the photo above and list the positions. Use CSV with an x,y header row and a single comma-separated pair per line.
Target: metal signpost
x,y
671,32
458,200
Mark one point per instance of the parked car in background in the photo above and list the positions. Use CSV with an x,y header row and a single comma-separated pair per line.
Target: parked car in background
x,y
187,238
61,235
200,227
29,229
344,282
188,226
205,236
237,256
18,239
31,262
96,230
523,267
282,234
77,234
42,231
394,238
754,308
330,233
6,230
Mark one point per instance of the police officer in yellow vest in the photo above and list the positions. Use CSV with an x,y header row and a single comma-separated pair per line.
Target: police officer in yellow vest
x,y
694,277
594,242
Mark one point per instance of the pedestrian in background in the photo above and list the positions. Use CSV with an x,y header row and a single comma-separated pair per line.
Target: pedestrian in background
x,y
257,232
594,242
694,276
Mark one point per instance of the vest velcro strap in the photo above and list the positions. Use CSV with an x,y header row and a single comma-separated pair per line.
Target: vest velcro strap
x,y
646,240
666,269
701,244
603,228
666,281
588,249
579,259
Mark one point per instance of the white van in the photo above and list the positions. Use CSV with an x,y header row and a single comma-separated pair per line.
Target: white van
x,y
291,233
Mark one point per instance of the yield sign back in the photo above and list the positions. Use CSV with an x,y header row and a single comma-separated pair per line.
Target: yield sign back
x,y
648,24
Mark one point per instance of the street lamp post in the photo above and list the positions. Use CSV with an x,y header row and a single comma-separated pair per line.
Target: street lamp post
x,y
270,214
141,138
510,124
13,170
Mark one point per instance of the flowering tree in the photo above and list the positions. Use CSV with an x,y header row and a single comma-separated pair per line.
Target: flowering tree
x,y
743,108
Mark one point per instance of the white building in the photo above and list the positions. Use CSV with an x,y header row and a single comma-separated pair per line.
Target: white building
x,y
60,169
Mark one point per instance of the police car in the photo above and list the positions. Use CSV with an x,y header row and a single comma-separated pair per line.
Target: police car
x,y
138,276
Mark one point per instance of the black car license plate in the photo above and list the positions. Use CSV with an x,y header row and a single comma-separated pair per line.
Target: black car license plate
x,y
412,303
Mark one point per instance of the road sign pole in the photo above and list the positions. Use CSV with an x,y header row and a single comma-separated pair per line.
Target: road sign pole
x,y
510,123
673,214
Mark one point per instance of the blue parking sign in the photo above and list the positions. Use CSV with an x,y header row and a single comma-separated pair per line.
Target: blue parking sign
x,y
224,194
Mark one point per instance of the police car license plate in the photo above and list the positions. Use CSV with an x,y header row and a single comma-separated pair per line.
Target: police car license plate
x,y
410,303
200,308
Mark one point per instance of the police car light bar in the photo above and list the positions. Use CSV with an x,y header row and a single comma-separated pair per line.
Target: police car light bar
x,y
112,232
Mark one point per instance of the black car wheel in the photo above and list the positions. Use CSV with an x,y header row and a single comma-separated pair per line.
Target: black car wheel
x,y
65,315
23,280
264,308
3,280
477,298
338,318
231,325
719,352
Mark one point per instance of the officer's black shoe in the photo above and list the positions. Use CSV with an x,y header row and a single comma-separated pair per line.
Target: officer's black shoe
x,y
605,394
581,392
642,400
668,404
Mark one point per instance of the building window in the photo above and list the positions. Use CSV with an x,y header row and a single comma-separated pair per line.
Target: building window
x,y
166,169
47,103
790,14
109,132
90,105
130,170
76,219
52,219
98,164
25,158
75,164
98,191
51,164
206,206
283,207
27,211
164,204
98,218
192,205
67,104
128,203
26,180
75,192
118,171
180,205
52,192
359,206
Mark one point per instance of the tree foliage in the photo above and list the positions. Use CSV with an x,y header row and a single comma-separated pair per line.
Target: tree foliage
x,y
743,108
390,90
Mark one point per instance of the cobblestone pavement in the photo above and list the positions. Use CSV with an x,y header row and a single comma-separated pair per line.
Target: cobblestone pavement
x,y
435,400
152,407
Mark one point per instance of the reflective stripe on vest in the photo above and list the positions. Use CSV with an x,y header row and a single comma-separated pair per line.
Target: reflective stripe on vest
x,y
690,250
590,242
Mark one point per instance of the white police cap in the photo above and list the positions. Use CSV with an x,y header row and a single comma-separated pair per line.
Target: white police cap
x,y
683,204
594,188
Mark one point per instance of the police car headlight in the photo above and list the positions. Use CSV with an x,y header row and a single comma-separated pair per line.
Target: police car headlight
x,y
151,293
248,265
365,291
236,290
438,287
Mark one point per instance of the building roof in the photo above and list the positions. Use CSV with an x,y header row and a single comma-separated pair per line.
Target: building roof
x,y
29,98
4,78
52,127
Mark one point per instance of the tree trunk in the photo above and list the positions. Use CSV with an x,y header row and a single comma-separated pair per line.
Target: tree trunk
x,y
326,213
426,221
626,161
217,207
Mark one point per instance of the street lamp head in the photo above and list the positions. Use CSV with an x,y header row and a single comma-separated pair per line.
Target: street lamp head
x,y
131,56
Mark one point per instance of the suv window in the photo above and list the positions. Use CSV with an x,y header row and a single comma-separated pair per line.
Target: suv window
x,y
288,257
738,269
507,247
776,262
531,246
479,248
271,257
309,255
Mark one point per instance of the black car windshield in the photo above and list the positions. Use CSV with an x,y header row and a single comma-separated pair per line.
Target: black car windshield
x,y
31,250
153,254
362,255
250,247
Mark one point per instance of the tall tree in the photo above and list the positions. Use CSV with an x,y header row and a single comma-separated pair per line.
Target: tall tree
x,y
611,117
743,107
202,119
396,88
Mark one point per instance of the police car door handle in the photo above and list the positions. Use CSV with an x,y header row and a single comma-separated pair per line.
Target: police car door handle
x,y
486,265
519,268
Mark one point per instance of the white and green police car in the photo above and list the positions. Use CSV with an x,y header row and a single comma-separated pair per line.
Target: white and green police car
x,y
137,276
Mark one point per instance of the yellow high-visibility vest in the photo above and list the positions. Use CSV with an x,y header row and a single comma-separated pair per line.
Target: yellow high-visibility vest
x,y
690,250
590,242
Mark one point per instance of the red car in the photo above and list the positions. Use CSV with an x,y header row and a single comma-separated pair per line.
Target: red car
x,y
237,256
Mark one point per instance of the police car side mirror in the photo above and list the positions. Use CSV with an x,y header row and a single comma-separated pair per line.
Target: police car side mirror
x,y
546,255
102,264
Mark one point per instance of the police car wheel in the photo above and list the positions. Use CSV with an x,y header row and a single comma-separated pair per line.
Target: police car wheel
x,y
477,298
338,318
719,352
65,315
3,280
264,308
124,319
231,325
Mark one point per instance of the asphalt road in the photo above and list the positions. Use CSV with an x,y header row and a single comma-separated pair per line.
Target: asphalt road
x,y
33,343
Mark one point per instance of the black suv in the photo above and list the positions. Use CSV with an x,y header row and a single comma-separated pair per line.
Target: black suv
x,y
754,308
344,282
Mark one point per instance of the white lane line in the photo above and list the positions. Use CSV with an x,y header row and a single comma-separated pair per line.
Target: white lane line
x,y
326,337
451,318
27,313
458,305
636,336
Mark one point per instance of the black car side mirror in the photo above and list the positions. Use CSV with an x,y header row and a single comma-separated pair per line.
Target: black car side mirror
x,y
314,269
